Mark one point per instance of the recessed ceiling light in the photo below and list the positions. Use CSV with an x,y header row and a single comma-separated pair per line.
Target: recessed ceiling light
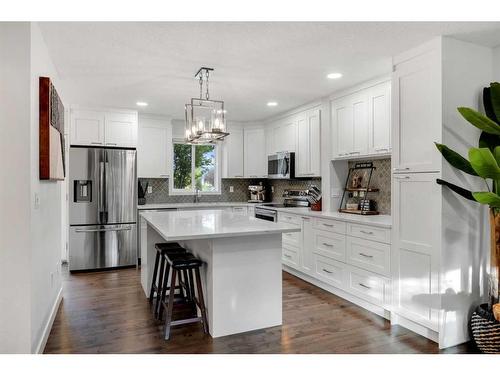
x,y
334,75
142,104
272,104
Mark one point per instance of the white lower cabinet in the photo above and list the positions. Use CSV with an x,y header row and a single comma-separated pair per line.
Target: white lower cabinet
x,y
354,258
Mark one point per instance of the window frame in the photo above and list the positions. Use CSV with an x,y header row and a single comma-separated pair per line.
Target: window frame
x,y
217,178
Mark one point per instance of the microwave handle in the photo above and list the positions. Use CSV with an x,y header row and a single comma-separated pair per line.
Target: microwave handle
x,y
285,166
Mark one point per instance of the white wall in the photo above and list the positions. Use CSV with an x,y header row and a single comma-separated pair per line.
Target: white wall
x,y
46,221
30,281
15,181
496,64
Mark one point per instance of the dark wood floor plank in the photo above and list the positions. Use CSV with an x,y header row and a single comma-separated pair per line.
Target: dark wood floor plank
x,y
107,312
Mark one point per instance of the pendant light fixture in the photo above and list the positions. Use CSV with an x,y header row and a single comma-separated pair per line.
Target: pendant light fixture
x,y
205,118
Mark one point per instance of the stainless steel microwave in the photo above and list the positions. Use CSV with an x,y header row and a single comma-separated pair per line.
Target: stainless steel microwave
x,y
281,165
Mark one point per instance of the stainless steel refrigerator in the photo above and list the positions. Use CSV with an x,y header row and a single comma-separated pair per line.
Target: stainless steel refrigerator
x,y
102,209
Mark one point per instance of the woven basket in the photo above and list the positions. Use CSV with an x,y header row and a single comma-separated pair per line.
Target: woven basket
x,y
485,330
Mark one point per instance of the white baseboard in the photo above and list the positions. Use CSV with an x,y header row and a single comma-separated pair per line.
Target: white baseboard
x,y
48,326
415,327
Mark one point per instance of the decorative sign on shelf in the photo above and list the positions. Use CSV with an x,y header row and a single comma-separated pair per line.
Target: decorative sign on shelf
x,y
51,129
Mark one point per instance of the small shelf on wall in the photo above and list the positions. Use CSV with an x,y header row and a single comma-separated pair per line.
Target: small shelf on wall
x,y
358,212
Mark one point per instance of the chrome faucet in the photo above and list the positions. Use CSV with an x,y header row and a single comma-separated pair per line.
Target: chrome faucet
x,y
197,196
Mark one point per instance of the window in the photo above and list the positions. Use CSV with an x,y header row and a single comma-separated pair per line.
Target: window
x,y
195,167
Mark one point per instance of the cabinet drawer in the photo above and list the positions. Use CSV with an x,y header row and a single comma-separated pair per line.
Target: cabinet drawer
x,y
368,286
241,210
330,271
369,233
369,255
288,218
292,238
330,225
331,245
290,256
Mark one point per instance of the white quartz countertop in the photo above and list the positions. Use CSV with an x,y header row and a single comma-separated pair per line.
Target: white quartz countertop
x,y
166,206
205,224
383,221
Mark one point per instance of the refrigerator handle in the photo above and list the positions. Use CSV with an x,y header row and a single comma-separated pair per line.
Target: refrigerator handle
x,y
100,196
104,229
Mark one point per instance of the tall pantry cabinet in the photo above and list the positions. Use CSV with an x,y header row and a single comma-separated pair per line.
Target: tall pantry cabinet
x,y
440,240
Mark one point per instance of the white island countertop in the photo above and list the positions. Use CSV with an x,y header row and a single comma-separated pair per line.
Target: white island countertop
x,y
214,205
205,224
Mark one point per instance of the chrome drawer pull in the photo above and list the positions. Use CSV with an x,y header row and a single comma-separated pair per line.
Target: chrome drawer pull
x,y
402,169
365,255
327,271
306,218
288,256
402,178
327,244
364,286
366,232
328,225
381,149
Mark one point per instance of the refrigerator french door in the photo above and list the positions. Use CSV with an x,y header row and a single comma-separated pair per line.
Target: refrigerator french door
x,y
102,209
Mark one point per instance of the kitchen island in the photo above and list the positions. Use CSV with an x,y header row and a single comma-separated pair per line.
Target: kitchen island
x,y
241,277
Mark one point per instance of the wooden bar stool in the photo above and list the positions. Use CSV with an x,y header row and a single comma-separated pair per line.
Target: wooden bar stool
x,y
162,249
188,265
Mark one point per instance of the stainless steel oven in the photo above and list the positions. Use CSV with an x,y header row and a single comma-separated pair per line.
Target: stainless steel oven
x,y
266,214
281,165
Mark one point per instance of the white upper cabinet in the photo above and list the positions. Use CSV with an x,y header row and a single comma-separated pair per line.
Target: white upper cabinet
x,y
120,129
307,160
154,148
233,154
87,128
103,128
379,122
254,153
361,123
284,135
416,113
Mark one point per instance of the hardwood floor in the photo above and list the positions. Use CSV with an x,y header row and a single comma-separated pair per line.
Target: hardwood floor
x,y
107,312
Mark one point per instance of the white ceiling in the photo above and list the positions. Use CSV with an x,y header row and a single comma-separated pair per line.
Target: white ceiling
x,y
118,64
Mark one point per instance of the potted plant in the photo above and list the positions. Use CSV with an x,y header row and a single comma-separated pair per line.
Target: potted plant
x,y
484,162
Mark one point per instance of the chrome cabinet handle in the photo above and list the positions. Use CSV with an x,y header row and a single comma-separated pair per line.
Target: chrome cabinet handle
x,y
327,271
327,244
364,286
402,177
288,256
366,255
354,153
111,144
328,225
103,230
306,218
96,143
402,169
366,231
381,149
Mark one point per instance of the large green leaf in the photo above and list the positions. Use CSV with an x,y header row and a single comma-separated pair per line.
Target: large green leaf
x,y
486,197
457,189
484,163
488,105
496,154
489,140
479,120
495,99
456,160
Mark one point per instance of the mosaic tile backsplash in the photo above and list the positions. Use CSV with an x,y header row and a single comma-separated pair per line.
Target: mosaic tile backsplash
x,y
381,179
240,186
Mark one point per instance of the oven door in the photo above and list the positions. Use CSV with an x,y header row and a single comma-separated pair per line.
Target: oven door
x,y
265,214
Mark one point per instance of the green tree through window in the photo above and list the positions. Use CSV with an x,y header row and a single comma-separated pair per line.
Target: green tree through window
x,y
201,173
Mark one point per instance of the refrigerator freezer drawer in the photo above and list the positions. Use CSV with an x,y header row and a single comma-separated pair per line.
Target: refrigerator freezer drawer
x,y
102,246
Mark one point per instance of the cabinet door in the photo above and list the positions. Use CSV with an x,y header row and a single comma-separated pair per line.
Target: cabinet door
x,y
154,151
233,154
307,246
342,121
120,130
284,135
379,122
360,124
87,128
303,156
255,161
307,160
416,243
416,114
